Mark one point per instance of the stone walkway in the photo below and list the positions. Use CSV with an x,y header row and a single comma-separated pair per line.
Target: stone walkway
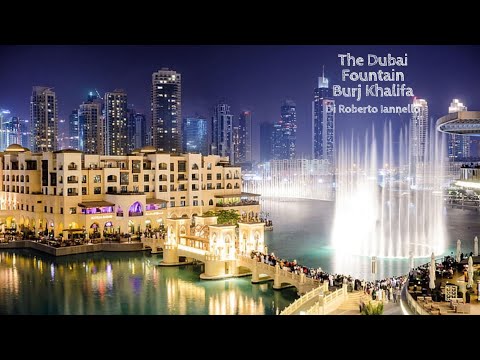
x,y
352,305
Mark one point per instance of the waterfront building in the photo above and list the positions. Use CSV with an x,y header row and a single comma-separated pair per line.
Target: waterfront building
x,y
68,190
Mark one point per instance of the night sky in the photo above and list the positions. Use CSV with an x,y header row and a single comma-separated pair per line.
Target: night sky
x,y
256,77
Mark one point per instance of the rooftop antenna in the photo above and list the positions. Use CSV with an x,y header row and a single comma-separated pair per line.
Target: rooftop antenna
x,y
323,71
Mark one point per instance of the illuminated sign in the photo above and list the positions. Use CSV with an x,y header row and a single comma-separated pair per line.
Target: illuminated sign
x,y
101,217
155,213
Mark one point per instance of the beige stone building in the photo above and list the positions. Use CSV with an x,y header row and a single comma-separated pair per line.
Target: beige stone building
x,y
67,189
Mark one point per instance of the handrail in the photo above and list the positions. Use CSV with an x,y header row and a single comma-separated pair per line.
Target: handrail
x,y
290,309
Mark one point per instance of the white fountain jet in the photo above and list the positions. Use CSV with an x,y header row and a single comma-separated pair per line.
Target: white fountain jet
x,y
389,204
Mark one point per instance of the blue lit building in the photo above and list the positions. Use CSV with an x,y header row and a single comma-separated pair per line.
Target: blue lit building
x,y
194,135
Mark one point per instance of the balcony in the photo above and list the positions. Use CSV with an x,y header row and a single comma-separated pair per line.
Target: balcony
x,y
125,193
119,214
72,194
72,181
182,178
72,167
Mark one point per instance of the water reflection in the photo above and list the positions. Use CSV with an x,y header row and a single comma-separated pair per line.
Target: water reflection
x,y
129,283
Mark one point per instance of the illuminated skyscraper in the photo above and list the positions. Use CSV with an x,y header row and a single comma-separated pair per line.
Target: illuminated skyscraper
x,y
116,131
285,132
323,122
244,152
91,127
194,135
458,145
44,119
166,110
222,131
74,130
418,131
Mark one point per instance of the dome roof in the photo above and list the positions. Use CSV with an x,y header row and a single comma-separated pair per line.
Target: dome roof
x,y
15,147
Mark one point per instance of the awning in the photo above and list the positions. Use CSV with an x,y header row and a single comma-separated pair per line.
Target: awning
x,y
156,201
95,204
243,194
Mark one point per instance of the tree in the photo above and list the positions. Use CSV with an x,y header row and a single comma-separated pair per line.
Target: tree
x,y
228,217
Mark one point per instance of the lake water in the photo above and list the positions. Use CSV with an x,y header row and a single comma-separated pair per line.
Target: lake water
x,y
132,283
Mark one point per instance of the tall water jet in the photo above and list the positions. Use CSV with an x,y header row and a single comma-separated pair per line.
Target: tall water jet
x,y
389,206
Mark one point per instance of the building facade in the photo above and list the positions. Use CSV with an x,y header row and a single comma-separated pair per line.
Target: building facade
x,y
74,130
285,132
116,130
323,122
67,190
44,119
91,126
222,131
458,145
244,152
195,135
167,110
418,131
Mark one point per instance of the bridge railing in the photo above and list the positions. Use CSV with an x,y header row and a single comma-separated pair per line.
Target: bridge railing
x,y
297,304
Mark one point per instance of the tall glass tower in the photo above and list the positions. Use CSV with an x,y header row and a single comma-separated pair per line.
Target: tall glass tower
x,y
323,122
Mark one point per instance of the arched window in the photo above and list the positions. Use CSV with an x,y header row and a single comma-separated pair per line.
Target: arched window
x,y
210,202
162,166
209,166
229,186
111,178
27,178
22,178
194,167
136,209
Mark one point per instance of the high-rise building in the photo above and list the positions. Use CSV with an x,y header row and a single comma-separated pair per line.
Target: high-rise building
x,y
244,153
222,131
166,110
13,126
323,122
459,146
266,132
74,130
140,131
91,126
194,135
418,131
44,119
116,131
285,132
25,138
236,143
4,129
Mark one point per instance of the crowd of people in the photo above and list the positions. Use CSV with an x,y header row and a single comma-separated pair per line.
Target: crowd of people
x,y
383,290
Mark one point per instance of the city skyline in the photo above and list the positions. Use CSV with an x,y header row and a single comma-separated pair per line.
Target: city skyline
x,y
254,78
